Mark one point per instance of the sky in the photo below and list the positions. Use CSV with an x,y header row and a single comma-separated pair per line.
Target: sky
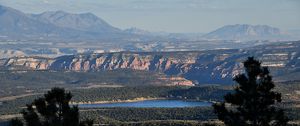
x,y
184,16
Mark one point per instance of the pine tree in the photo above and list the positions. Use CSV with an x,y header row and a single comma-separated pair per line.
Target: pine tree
x,y
16,122
53,110
253,101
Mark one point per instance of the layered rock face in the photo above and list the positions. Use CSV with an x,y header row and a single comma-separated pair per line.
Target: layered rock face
x,y
216,66
172,63
159,62
33,63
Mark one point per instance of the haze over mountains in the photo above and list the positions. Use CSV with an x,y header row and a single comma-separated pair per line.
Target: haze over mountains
x,y
58,33
83,22
54,25
61,25
247,32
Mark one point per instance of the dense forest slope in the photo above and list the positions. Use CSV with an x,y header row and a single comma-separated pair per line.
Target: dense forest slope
x,y
213,66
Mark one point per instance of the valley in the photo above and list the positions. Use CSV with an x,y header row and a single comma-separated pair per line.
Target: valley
x,y
134,76
129,115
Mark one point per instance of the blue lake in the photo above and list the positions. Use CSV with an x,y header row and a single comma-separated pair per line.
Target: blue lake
x,y
150,104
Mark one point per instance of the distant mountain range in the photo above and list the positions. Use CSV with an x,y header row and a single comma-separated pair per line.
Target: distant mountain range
x,y
86,22
15,24
247,32
57,25
166,35
60,25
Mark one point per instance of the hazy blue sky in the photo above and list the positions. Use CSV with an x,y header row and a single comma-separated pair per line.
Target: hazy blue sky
x,y
175,15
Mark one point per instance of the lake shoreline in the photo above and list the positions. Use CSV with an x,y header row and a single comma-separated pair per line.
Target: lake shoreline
x,y
119,101
141,99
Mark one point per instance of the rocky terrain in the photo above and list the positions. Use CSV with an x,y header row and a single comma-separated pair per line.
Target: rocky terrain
x,y
214,66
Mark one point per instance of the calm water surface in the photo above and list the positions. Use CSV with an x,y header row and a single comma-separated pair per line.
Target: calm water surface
x,y
150,104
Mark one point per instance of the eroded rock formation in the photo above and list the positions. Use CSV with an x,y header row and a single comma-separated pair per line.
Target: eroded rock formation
x,y
215,66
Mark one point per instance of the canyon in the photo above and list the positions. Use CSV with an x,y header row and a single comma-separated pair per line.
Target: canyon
x,y
201,67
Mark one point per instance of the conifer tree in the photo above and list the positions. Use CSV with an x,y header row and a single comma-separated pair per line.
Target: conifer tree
x,y
16,122
253,101
53,110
